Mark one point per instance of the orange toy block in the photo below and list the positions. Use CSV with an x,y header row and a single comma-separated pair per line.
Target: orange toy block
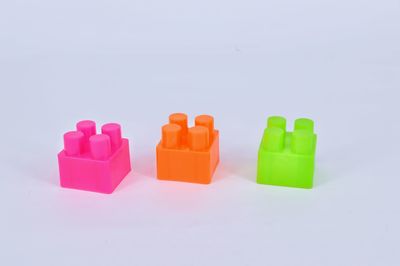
x,y
188,154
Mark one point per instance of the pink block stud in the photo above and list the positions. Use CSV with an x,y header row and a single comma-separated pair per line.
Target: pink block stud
x,y
94,162
73,143
113,130
100,147
88,128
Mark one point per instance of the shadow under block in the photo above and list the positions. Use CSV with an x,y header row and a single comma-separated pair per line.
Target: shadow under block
x,y
94,162
188,154
287,158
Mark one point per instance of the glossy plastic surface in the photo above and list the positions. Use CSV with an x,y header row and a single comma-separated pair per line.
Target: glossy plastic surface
x,y
188,154
94,162
287,158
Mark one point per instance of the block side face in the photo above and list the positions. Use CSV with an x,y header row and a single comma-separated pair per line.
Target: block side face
x,y
285,169
315,144
262,166
183,165
214,153
120,165
83,174
65,177
202,167
173,164
162,162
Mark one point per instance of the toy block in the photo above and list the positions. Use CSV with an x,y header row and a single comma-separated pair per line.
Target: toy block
x,y
287,158
94,162
188,154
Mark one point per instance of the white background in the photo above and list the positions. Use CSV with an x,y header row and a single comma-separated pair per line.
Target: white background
x,y
135,62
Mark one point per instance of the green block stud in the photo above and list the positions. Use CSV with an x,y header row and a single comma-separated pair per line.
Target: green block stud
x,y
287,158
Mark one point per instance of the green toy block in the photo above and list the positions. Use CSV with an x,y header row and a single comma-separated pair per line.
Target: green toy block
x,y
287,158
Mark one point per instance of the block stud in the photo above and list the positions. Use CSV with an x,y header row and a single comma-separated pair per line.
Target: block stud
x,y
302,141
88,128
113,130
180,119
208,122
304,123
100,146
277,121
73,143
198,138
171,136
273,139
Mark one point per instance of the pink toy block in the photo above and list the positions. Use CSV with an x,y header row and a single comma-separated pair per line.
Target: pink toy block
x,y
94,162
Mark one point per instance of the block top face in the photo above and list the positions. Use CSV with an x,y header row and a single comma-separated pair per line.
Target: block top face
x,y
85,143
176,134
302,141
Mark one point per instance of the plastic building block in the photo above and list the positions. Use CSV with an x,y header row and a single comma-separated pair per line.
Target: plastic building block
x,y
287,158
94,162
188,154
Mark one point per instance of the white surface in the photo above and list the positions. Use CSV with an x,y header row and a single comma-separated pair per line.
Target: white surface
x,y
337,62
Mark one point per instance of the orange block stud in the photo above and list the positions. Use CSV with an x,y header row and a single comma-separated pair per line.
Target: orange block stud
x,y
188,154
